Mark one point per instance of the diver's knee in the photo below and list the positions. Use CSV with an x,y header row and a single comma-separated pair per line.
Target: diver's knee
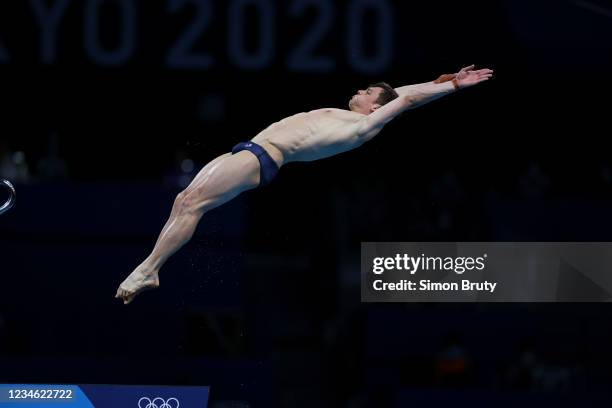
x,y
194,203
179,200
180,197
185,202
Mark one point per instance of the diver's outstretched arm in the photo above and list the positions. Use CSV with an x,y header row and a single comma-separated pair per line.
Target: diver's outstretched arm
x,y
413,96
430,91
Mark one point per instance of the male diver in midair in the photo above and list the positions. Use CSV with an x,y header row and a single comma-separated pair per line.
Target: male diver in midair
x,y
307,136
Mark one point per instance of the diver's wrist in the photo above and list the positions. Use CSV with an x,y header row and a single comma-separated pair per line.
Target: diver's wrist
x,y
456,84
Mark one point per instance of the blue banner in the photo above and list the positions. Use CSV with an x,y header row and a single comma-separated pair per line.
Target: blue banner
x,y
101,396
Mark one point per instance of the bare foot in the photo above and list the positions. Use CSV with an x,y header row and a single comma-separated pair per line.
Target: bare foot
x,y
143,278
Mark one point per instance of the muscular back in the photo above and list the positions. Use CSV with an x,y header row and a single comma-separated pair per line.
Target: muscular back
x,y
314,135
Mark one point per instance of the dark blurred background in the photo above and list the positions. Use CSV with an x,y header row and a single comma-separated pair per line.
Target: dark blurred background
x,y
109,108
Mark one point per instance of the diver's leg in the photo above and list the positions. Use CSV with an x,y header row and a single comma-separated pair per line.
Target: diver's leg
x,y
192,185
215,185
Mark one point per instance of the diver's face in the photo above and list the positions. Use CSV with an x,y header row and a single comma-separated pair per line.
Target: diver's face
x,y
364,101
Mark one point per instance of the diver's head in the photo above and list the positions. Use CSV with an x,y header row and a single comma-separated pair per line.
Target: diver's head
x,y
368,100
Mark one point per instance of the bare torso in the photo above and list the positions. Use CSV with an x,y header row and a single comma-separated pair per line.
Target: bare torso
x,y
311,135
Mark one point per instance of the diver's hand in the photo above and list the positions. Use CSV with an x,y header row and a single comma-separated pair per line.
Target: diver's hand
x,y
467,76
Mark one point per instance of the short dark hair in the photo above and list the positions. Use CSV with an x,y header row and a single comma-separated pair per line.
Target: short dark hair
x,y
387,94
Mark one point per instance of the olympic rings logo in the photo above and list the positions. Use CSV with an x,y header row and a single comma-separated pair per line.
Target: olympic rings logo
x,y
158,402
11,200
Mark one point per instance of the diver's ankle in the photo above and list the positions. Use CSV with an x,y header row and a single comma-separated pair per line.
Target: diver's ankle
x,y
150,266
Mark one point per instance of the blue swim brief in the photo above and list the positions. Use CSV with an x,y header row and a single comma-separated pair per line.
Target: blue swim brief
x,y
267,166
